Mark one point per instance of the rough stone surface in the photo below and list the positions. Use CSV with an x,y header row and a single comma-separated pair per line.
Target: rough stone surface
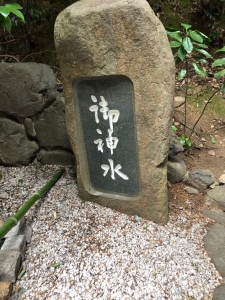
x,y
21,87
58,157
219,292
51,128
214,242
175,144
4,195
176,169
191,190
216,197
29,127
5,290
216,216
200,179
41,154
18,229
9,265
16,243
121,37
16,148
28,233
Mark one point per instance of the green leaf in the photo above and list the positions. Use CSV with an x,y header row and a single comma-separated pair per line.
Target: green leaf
x,y
12,6
200,59
221,50
205,37
219,74
200,45
187,44
199,70
175,35
219,62
186,26
222,88
204,53
168,28
196,36
182,74
181,53
18,14
213,140
20,180
56,265
4,11
175,44
174,127
7,24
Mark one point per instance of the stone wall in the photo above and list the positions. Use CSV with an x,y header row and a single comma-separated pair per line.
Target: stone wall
x,y
32,122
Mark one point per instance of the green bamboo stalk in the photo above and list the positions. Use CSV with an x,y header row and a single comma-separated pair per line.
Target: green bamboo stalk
x,y
12,221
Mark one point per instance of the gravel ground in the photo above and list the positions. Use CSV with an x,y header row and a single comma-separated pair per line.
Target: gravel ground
x,y
80,250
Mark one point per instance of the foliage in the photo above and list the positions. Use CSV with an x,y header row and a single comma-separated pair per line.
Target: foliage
x,y
5,11
185,141
190,51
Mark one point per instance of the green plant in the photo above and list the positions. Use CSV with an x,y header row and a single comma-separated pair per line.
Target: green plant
x,y
6,10
185,141
190,51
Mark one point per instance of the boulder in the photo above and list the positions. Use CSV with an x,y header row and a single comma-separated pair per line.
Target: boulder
x,y
21,87
176,169
51,128
16,148
58,157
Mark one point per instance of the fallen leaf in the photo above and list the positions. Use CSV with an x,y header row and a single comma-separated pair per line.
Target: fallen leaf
x,y
203,139
211,152
55,215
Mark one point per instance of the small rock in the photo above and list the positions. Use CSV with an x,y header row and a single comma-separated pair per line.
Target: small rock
x,y
191,190
199,179
4,195
175,144
211,152
178,101
5,290
222,178
176,169
216,197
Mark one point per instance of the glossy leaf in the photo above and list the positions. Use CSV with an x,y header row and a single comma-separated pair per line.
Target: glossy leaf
x,y
205,37
175,35
182,74
200,59
175,44
12,6
219,62
196,36
200,45
18,14
199,70
174,127
181,53
221,50
171,29
186,26
4,11
187,44
219,74
204,52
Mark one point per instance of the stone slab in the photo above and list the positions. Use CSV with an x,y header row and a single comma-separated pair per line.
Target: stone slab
x,y
219,292
18,229
5,290
218,194
15,243
10,262
110,38
214,242
216,216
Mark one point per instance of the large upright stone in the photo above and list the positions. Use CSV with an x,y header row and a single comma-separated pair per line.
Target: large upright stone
x,y
117,51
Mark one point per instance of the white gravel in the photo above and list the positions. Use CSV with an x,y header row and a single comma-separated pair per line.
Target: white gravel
x,y
80,250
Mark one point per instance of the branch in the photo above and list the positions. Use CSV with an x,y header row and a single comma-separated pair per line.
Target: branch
x,y
36,54
11,56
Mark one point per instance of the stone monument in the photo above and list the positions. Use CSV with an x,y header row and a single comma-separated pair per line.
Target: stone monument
x,y
118,78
